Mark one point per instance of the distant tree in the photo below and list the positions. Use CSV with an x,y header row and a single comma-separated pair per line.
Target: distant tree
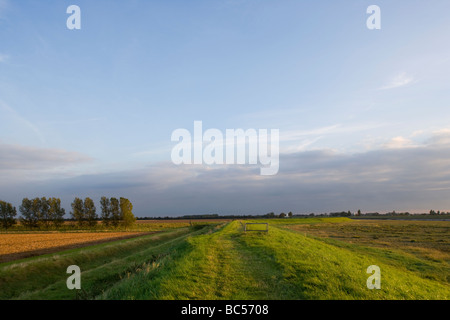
x,y
359,213
26,213
349,213
36,207
432,212
126,209
270,215
115,212
7,214
282,215
290,214
78,213
105,205
56,213
90,212
31,212
44,214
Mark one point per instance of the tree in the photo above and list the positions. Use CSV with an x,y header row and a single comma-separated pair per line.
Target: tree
x,y
115,212
29,217
290,214
105,204
359,213
90,212
282,215
7,214
36,206
126,209
44,214
78,211
56,213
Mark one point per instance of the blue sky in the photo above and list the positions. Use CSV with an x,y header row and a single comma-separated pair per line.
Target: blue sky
x,y
90,112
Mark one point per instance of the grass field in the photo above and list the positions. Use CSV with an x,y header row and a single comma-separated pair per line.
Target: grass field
x,y
317,258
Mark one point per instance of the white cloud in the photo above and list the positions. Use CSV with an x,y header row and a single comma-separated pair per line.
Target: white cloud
x,y
440,137
399,143
16,157
400,80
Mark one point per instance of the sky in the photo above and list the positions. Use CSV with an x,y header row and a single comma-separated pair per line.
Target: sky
x,y
363,114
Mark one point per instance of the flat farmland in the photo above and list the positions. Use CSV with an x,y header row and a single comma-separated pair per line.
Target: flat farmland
x,y
297,259
23,245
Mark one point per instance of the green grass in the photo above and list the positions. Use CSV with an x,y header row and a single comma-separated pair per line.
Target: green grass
x,y
223,262
281,264
422,246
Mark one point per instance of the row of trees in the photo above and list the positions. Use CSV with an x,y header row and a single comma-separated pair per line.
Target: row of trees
x,y
281,215
46,213
41,212
7,214
113,212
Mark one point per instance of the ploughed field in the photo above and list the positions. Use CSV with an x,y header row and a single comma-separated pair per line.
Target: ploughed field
x,y
307,258
22,245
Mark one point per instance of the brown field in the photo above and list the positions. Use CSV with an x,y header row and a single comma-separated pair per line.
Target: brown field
x,y
19,246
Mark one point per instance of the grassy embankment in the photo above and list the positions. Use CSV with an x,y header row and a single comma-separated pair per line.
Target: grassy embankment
x,y
284,264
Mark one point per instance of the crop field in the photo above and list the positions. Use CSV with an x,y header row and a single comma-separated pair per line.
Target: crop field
x,y
21,245
297,259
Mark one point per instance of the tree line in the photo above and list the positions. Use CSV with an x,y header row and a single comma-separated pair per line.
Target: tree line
x,y
46,213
